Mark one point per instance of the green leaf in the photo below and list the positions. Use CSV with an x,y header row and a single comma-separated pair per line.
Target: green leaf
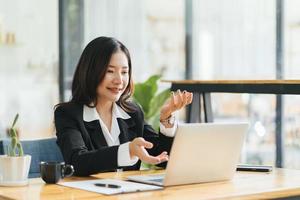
x,y
142,96
13,132
144,92
157,102
20,149
154,121
152,81
11,152
15,120
14,143
148,166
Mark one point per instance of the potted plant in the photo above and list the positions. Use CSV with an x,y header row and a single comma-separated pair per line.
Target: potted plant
x,y
14,167
147,96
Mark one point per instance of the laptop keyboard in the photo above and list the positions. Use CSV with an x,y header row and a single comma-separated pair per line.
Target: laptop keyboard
x,y
159,180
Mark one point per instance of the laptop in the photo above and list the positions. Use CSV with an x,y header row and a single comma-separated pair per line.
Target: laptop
x,y
201,152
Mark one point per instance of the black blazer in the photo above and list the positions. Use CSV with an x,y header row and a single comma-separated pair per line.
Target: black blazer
x,y
83,144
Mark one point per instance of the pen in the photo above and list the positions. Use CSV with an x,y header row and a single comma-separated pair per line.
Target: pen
x,y
106,185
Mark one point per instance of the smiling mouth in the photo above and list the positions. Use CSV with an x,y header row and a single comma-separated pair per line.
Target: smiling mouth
x,y
115,90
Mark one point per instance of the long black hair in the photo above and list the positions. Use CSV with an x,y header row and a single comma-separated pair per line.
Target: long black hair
x,y
91,69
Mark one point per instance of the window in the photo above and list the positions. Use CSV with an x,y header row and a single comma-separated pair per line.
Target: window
x,y
28,65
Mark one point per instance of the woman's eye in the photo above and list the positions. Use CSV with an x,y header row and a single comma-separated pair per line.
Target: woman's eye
x,y
125,72
110,71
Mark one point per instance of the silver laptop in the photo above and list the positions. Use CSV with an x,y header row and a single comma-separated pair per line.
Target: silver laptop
x,y
200,153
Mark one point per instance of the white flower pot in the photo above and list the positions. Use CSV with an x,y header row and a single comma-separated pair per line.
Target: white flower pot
x,y
14,170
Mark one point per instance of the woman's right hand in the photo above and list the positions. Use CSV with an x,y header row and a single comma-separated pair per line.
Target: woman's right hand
x,y
137,148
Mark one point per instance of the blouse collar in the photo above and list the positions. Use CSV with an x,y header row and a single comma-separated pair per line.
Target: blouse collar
x,y
91,114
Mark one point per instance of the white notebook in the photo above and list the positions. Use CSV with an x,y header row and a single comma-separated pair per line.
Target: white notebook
x,y
110,186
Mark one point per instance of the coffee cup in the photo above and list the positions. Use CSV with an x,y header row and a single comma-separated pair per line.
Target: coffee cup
x,y
52,171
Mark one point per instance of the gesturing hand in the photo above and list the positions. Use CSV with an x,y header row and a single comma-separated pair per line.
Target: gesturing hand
x,y
177,101
137,148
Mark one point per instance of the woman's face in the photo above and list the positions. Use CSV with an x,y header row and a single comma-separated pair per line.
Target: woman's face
x,y
115,80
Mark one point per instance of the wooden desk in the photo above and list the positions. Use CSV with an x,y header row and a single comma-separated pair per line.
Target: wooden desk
x,y
280,183
203,89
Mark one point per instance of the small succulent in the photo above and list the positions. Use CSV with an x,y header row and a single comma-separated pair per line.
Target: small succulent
x,y
15,148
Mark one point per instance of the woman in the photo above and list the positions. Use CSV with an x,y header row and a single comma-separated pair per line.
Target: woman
x,y
100,129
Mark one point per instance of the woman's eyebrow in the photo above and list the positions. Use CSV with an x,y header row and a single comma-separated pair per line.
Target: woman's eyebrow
x,y
124,67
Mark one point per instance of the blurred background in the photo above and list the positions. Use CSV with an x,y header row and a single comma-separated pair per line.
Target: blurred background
x,y
41,41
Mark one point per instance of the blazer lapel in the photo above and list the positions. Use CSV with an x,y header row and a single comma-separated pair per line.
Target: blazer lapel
x,y
124,126
96,134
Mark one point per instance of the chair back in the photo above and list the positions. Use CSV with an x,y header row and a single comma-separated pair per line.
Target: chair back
x,y
40,150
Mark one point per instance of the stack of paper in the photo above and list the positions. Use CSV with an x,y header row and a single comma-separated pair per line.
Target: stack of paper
x,y
121,186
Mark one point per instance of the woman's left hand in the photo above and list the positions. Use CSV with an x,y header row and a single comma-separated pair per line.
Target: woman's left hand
x,y
177,101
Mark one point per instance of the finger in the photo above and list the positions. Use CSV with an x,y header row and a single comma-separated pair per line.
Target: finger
x,y
164,159
177,101
163,156
185,98
181,101
173,103
190,97
154,159
163,153
145,157
172,100
151,159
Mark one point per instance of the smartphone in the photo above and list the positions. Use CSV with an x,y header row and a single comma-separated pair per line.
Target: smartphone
x,y
254,168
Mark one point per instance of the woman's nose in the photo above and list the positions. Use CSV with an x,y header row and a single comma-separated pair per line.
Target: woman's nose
x,y
118,77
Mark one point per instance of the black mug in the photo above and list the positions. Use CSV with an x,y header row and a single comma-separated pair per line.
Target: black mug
x,y
52,172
